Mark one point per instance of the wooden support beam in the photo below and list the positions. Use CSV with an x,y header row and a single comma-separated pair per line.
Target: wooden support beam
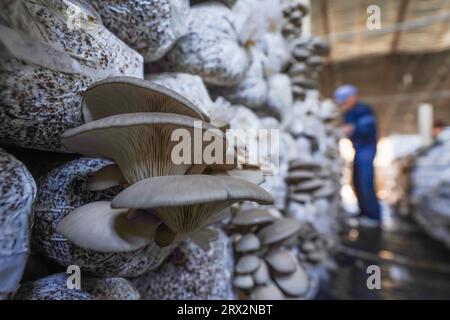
x,y
401,14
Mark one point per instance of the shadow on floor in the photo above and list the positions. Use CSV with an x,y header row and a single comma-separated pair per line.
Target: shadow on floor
x,y
412,265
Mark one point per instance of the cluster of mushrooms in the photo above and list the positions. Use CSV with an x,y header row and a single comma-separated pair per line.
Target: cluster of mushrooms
x,y
430,188
293,13
267,267
90,100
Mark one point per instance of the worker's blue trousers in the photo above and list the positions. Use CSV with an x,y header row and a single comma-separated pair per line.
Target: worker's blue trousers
x,y
363,180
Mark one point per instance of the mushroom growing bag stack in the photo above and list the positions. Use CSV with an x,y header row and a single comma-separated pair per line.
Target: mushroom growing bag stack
x,y
51,51
151,27
17,192
211,48
131,122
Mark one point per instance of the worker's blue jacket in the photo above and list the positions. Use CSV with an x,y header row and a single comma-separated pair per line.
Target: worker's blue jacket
x,y
364,139
363,120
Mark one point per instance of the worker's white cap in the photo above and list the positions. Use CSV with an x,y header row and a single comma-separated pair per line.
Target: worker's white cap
x,y
344,92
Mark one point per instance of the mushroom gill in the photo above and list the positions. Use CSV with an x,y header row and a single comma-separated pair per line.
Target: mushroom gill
x,y
97,227
118,95
187,204
141,143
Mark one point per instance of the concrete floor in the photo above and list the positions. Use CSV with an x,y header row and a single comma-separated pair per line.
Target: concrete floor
x,y
412,265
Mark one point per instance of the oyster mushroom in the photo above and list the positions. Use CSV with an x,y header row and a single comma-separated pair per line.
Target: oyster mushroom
x,y
118,95
299,176
248,242
140,143
253,175
295,284
252,217
97,227
267,292
281,260
300,197
309,185
244,282
303,164
186,204
247,264
279,230
64,188
261,275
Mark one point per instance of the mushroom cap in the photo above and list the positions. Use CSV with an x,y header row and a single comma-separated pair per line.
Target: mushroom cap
x,y
189,203
243,282
252,217
140,143
298,176
267,292
281,260
248,242
279,230
247,264
303,164
176,190
261,275
308,246
118,95
97,227
295,284
300,197
252,175
309,185
326,191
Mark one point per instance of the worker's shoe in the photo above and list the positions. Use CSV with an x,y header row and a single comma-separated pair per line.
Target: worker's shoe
x,y
368,222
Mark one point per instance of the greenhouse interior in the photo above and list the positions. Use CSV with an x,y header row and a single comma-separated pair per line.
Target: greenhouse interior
x,y
326,125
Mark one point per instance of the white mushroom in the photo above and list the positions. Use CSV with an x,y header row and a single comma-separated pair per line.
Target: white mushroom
x,y
281,260
252,217
247,264
279,230
118,95
309,185
248,242
267,292
261,275
294,284
97,227
186,204
244,282
140,143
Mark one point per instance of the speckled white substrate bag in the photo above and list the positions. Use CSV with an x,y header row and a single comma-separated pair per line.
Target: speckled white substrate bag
x,y
279,97
54,287
64,189
51,51
252,90
190,86
17,192
211,48
149,26
198,275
